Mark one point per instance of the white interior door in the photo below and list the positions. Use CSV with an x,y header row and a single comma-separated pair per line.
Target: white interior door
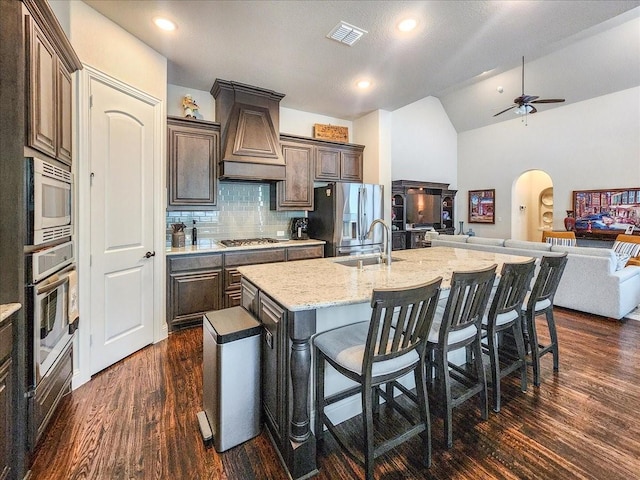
x,y
121,151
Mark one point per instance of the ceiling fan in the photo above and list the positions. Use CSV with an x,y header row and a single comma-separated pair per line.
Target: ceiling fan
x,y
523,103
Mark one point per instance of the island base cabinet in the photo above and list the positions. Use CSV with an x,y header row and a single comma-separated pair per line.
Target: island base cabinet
x,y
286,373
272,318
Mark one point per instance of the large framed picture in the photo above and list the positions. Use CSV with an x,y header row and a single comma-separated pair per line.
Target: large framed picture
x,y
611,211
482,206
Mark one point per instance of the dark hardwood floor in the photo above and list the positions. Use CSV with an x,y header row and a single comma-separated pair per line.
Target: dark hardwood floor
x,y
137,420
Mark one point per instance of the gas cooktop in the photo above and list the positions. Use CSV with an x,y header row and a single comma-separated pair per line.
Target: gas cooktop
x,y
247,242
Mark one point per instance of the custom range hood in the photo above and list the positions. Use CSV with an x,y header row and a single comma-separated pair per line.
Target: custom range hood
x,y
250,121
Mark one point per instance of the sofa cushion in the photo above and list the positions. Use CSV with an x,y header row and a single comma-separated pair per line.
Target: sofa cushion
x,y
621,260
454,238
633,249
589,251
523,244
499,242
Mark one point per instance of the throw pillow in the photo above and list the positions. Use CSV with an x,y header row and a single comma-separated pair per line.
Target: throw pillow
x,y
633,249
622,259
565,242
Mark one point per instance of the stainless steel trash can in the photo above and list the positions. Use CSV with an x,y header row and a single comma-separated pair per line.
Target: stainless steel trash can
x,y
231,376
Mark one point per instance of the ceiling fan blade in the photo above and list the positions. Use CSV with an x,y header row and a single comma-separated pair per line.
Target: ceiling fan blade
x,y
549,100
533,110
506,110
528,98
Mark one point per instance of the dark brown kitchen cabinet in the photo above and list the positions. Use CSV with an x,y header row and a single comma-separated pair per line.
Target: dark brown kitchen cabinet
x,y
192,155
305,252
6,425
194,287
296,191
272,318
49,92
233,278
340,162
398,240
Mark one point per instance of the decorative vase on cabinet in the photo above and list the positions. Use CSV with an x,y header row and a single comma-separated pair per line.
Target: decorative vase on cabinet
x,y
570,221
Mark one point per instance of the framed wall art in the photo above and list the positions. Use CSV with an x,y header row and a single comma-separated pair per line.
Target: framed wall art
x,y
609,211
482,206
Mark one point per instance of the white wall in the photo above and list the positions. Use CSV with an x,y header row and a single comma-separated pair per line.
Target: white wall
x,y
297,122
423,143
591,144
374,131
105,46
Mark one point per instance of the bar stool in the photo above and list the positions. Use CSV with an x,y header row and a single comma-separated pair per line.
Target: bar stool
x,y
375,353
504,316
540,302
458,327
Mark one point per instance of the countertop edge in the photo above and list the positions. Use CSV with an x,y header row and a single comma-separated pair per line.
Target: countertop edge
x,y
8,309
190,249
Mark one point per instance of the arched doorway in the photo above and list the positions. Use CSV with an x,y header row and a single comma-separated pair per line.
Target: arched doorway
x,y
532,208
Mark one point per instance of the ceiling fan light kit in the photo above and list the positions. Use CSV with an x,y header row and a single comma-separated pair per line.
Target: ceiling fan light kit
x,y
523,103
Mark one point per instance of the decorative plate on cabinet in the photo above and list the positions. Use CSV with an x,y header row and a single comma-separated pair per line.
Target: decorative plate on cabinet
x,y
547,217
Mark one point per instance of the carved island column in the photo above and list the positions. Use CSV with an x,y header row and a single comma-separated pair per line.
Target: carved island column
x,y
301,454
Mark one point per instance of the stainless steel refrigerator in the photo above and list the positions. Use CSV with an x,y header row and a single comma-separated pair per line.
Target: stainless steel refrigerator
x,y
342,216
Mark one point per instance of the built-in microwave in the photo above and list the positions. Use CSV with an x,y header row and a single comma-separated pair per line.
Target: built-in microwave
x,y
48,201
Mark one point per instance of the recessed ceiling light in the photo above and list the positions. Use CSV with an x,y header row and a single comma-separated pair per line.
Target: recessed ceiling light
x,y
164,24
364,84
407,25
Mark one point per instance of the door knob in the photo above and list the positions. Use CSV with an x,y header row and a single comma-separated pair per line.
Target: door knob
x,y
149,254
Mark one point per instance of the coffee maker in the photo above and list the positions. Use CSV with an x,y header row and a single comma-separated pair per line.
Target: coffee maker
x,y
299,227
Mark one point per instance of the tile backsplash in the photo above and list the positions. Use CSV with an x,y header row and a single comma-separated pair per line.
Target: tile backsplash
x,y
243,212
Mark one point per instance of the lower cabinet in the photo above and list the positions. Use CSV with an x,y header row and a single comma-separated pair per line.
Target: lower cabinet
x,y
194,287
5,419
398,241
272,317
6,433
199,283
232,277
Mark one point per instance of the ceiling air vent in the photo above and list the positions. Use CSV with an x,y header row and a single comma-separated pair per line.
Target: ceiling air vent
x,y
345,33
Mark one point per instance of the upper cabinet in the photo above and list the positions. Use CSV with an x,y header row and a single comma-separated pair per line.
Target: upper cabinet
x,y
50,63
341,162
192,156
309,159
296,191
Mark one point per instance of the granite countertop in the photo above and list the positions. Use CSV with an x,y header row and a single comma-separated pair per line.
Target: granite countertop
x,y
212,246
8,309
311,284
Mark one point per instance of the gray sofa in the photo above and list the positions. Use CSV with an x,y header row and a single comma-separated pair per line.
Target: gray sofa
x,y
591,281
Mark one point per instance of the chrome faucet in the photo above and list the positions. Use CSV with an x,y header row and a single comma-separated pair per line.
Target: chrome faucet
x,y
387,243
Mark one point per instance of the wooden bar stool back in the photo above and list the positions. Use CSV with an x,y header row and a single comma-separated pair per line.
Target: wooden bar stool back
x,y
459,327
540,302
376,353
502,317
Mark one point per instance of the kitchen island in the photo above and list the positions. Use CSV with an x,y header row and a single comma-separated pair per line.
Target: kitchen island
x,y
294,301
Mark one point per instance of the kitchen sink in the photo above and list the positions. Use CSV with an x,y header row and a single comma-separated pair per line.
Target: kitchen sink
x,y
357,262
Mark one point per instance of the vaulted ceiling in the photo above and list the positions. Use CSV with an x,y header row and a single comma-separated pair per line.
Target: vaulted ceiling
x,y
460,51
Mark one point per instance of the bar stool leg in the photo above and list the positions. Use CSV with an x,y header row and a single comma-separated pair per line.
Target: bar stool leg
x,y
554,338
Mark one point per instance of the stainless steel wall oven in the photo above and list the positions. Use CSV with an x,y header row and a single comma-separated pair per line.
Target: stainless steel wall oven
x,y
50,274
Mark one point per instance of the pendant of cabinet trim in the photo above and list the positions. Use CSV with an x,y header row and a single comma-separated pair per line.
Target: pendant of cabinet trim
x,y
192,155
